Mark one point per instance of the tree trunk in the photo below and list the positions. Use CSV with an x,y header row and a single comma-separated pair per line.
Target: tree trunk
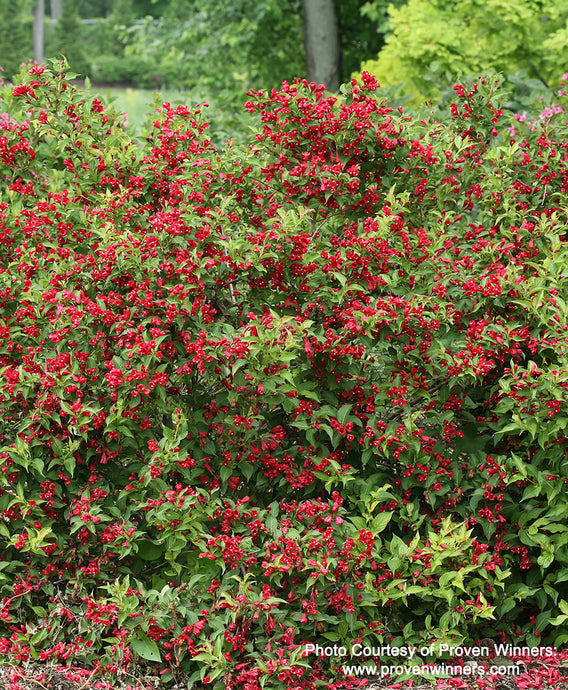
x,y
56,9
39,16
321,37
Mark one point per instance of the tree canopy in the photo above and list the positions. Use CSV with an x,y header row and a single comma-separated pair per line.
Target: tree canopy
x,y
431,43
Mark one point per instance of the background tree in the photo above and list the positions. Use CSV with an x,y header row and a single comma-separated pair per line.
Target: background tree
x,y
39,20
214,47
323,49
219,50
222,44
432,43
230,47
68,38
56,7
15,36
362,29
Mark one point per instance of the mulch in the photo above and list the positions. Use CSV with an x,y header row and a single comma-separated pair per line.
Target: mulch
x,y
37,676
46,676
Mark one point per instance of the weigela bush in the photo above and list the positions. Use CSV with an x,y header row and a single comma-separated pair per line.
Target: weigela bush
x,y
311,390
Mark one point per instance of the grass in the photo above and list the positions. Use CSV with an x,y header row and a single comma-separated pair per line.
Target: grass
x,y
227,118
139,103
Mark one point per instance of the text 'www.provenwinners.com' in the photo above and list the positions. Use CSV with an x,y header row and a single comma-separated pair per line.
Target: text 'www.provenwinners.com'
x,y
409,660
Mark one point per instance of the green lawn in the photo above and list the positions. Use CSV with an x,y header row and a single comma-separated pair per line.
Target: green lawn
x,y
228,120
137,103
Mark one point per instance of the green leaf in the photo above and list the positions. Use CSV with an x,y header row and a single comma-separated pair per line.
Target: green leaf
x,y
333,637
446,578
380,522
531,492
545,559
397,546
343,413
506,606
149,551
69,463
145,648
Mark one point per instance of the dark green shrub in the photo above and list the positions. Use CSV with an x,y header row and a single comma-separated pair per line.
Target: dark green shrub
x,y
69,40
15,38
125,69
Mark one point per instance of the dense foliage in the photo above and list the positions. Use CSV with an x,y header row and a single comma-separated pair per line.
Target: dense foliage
x,y
213,46
15,36
430,44
68,39
310,390
222,46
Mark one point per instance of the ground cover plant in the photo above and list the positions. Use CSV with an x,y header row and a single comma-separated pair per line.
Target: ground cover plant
x,y
311,390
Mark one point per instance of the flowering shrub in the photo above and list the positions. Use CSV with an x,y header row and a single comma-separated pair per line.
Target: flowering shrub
x,y
309,390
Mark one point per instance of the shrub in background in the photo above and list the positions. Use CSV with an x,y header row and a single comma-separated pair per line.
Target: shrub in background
x,y
112,64
431,42
69,40
126,69
311,389
15,38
